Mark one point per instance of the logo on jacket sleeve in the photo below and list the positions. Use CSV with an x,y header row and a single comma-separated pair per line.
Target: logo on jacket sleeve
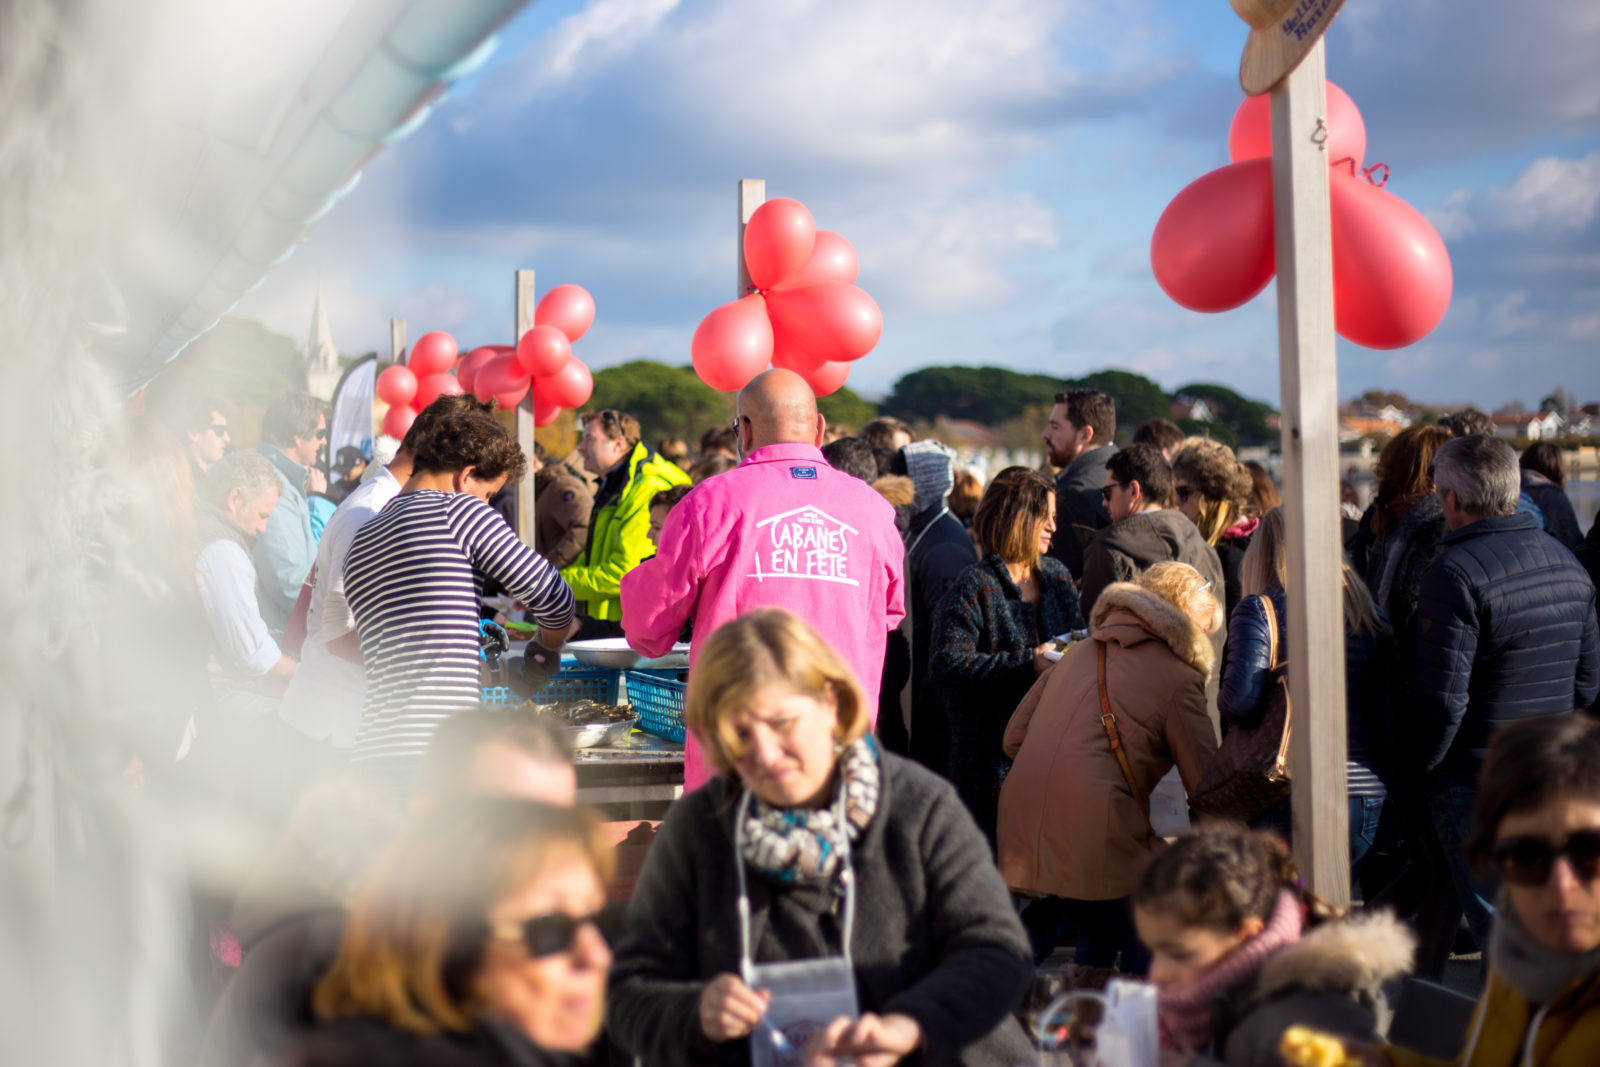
x,y
805,543
803,472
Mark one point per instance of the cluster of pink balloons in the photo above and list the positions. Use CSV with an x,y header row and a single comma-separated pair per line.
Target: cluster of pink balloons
x,y
806,314
540,361
1213,245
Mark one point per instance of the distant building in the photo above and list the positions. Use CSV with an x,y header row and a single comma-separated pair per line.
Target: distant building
x,y
1355,427
1579,424
1188,407
1540,427
321,354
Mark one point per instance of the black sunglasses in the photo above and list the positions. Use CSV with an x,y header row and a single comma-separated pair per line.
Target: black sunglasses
x,y
1107,490
545,935
1184,492
1526,861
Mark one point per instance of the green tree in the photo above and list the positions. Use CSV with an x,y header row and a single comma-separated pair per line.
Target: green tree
x,y
845,408
1138,398
667,401
1246,418
989,395
245,364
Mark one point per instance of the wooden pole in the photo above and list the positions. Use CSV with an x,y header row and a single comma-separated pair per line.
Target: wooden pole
x,y
1311,476
752,194
397,340
525,492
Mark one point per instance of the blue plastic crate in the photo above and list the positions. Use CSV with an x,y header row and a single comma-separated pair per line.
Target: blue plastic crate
x,y
658,698
499,694
598,684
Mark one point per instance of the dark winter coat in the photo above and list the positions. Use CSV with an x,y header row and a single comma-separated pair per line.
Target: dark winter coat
x,y
935,937
367,1042
981,665
1397,560
1505,629
1124,550
1560,521
1369,664
1078,503
939,549
1230,554
1330,980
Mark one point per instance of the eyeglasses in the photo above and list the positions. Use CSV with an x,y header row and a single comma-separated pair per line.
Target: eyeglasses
x,y
322,434
1184,492
219,428
1526,861
545,935
1107,490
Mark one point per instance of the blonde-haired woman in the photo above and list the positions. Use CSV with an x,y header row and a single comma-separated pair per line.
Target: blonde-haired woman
x,y
1213,489
1369,656
1074,820
816,882
474,942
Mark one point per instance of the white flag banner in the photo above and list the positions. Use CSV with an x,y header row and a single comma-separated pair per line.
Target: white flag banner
x,y
352,407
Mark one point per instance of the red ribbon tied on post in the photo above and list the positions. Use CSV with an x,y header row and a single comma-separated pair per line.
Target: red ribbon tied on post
x,y
1212,249
806,313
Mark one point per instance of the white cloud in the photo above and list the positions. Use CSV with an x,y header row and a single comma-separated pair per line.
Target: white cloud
x,y
1551,195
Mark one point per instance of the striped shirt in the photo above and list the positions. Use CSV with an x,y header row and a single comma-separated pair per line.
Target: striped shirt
x,y
414,578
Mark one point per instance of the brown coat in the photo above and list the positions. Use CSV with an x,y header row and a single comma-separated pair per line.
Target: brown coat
x,y
561,513
1068,826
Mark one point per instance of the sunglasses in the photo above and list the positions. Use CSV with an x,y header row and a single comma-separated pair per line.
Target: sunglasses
x,y
545,935
1526,861
1107,490
1184,492
322,435
220,429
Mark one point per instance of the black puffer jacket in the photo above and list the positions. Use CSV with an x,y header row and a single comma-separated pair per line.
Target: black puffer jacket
x,y
1369,664
1397,560
1505,629
1559,518
935,935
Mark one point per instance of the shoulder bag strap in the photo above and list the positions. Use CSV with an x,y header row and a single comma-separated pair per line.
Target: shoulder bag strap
x,y
1109,721
1272,631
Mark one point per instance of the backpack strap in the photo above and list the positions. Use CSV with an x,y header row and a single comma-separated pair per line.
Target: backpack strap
x,y
1109,721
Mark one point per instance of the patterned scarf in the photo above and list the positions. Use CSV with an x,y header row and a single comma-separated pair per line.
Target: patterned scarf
x,y
804,845
1186,1013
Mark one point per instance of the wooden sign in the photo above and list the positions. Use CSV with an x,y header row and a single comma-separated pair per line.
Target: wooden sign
x,y
1282,34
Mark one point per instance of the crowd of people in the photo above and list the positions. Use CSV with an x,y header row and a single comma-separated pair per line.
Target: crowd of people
x,y
929,722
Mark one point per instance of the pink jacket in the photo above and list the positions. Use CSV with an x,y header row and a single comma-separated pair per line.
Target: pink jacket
x,y
782,530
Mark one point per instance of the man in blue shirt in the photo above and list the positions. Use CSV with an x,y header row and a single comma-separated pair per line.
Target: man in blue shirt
x,y
293,429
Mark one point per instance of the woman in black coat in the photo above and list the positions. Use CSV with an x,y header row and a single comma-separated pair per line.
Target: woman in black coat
x,y
992,629
813,845
473,944
1544,479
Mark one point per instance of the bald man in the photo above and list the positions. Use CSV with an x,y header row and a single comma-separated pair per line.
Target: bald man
x,y
781,530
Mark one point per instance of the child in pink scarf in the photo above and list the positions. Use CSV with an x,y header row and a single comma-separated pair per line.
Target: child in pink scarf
x,y
1240,951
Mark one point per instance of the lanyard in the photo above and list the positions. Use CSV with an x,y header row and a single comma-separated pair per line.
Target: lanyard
x,y
846,879
913,547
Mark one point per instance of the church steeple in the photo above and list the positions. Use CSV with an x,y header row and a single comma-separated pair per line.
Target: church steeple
x,y
321,354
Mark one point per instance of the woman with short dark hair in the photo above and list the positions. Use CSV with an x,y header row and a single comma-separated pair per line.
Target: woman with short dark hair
x,y
1544,480
991,631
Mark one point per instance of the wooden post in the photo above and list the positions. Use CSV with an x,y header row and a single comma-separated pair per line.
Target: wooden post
x,y
397,340
525,492
752,194
1311,476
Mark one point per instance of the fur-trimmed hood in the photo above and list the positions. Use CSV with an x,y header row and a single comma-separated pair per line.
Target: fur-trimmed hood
x,y
1358,954
897,489
1127,613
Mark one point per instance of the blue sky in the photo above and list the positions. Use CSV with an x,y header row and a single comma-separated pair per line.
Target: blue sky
x,y
999,168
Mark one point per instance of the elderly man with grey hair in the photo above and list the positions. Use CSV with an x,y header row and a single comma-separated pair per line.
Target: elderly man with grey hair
x,y
1506,629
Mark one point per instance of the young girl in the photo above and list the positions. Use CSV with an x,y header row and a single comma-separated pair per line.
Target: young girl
x,y
1240,951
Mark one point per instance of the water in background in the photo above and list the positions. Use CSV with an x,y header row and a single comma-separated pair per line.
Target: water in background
x,y
1585,497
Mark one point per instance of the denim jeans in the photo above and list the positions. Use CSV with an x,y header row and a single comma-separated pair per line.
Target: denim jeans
x,y
1364,816
1103,928
1450,804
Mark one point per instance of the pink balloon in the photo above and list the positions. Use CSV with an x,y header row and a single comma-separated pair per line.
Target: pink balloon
x,y
788,355
434,386
777,241
1250,135
470,364
833,259
397,420
544,413
570,387
396,386
733,344
1391,272
569,308
543,351
1212,248
827,378
434,353
833,321
501,380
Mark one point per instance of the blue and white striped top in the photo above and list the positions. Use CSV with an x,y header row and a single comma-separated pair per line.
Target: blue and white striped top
x,y
414,579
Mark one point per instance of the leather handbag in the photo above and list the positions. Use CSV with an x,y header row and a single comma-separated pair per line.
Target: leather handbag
x,y
1108,722
1250,772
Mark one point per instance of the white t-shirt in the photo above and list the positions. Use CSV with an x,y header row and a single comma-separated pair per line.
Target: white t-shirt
x,y
325,698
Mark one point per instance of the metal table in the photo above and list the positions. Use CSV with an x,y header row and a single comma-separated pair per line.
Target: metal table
x,y
639,776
